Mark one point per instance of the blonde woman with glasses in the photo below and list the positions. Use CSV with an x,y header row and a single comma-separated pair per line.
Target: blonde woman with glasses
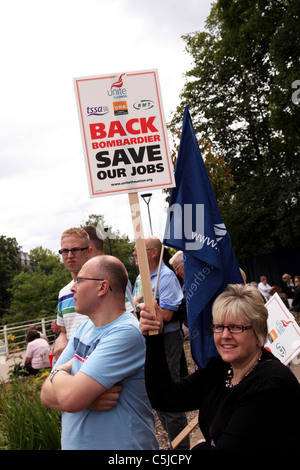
x,y
247,399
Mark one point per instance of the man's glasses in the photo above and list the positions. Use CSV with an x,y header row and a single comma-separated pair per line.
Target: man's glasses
x,y
177,267
147,249
74,251
79,279
234,329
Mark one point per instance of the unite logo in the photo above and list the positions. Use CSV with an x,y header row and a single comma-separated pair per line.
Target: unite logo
x,y
279,329
117,90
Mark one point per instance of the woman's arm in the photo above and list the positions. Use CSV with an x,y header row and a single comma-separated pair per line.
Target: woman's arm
x,y
27,361
163,392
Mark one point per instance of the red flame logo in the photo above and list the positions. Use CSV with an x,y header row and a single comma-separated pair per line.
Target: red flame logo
x,y
285,323
119,82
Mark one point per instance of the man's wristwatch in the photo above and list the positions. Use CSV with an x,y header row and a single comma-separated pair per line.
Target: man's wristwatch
x,y
54,371
138,311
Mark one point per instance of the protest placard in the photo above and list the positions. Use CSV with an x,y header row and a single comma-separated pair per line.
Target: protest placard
x,y
283,331
125,144
123,132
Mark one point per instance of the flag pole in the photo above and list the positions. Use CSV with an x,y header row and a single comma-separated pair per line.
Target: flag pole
x,y
142,253
159,268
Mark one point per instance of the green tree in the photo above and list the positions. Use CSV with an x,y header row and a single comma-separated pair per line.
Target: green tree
x,y
240,96
43,259
9,267
34,292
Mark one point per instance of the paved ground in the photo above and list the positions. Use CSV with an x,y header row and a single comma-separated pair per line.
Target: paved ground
x,y
296,367
5,365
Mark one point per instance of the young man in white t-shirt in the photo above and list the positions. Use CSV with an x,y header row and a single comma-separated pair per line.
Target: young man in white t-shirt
x,y
75,251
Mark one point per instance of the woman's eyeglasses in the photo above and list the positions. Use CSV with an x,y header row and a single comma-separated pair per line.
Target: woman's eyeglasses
x,y
234,329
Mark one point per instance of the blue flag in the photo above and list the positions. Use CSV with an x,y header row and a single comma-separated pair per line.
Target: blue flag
x,y
195,226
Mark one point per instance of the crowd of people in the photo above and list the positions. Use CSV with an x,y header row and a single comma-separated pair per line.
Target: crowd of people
x,y
289,292
110,372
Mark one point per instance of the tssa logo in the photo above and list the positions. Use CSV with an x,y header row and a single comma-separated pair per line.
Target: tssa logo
x,y
96,110
117,90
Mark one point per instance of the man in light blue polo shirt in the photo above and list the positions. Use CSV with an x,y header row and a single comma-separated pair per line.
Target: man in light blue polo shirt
x,y
106,350
169,297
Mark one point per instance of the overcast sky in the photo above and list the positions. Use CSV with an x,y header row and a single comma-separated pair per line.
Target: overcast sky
x,y
44,45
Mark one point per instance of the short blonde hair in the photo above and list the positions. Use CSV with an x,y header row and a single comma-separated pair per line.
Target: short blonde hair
x,y
77,232
243,303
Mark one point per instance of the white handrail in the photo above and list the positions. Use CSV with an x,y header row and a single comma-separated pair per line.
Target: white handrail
x,y
19,331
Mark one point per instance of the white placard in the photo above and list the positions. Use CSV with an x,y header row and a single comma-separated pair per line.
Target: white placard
x,y
123,132
283,331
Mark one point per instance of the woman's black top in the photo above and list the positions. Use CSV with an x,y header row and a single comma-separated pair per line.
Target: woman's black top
x,y
261,412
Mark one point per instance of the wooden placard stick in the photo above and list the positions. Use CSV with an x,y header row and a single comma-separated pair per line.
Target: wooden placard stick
x,y
142,253
182,435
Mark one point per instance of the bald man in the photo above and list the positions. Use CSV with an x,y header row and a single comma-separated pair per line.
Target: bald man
x,y
105,350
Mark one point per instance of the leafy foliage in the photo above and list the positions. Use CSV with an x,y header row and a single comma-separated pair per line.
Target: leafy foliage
x,y
24,423
240,96
34,291
9,267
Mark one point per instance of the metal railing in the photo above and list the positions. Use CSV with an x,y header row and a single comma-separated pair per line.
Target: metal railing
x,y
13,336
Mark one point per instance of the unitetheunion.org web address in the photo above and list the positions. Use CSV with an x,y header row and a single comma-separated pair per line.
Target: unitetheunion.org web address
x,y
121,183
